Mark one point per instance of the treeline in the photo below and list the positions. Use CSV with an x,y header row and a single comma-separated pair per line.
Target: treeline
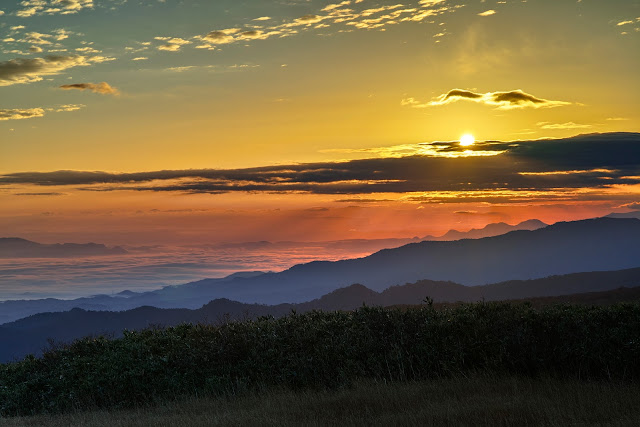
x,y
326,350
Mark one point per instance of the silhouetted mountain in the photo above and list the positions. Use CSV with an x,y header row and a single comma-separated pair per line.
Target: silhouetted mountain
x,y
602,244
489,230
566,247
347,298
633,214
374,245
616,296
30,335
184,298
13,247
568,284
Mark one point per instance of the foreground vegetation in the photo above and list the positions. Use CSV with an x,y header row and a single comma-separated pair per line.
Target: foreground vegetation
x,y
323,351
478,400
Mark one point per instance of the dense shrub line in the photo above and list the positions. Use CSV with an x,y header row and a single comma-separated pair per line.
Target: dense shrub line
x,y
326,349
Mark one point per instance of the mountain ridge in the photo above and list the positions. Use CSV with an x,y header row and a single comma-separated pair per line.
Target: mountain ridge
x,y
30,335
16,247
604,244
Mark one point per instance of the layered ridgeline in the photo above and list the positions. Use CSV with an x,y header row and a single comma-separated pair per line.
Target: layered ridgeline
x,y
32,334
14,247
602,244
566,247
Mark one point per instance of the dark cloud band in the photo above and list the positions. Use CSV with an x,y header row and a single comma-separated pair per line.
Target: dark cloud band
x,y
502,100
588,161
103,88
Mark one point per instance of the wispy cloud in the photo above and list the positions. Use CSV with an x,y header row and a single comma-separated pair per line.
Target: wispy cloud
x,y
487,13
502,100
66,108
629,21
40,194
29,70
568,125
343,16
20,114
103,88
30,8
172,44
31,113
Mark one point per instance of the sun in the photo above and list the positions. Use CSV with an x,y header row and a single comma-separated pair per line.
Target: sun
x,y
467,139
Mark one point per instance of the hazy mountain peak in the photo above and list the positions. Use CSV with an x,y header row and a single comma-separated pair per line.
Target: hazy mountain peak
x,y
15,247
489,230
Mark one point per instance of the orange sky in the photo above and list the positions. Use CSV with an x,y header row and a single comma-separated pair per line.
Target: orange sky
x,y
342,103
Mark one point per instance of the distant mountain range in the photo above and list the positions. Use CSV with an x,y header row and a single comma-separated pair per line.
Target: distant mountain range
x,y
13,247
30,335
567,247
632,214
489,230
602,244
375,245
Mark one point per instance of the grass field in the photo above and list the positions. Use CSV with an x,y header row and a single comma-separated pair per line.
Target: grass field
x,y
479,364
478,400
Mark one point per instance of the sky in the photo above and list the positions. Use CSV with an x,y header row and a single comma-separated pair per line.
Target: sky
x,y
149,122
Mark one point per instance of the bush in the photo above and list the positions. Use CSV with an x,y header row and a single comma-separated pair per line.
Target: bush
x,y
325,350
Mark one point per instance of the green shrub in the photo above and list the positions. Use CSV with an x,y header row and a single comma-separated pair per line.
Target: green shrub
x,y
325,350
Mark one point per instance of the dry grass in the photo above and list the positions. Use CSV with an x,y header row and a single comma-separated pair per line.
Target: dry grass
x,y
475,401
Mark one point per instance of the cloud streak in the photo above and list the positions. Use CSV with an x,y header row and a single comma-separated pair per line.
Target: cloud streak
x,y
103,88
502,100
523,167
20,114
567,125
31,113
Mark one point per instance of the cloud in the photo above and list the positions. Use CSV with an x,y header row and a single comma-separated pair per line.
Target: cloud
x,y
221,36
252,35
525,169
502,100
103,88
36,38
568,125
52,7
28,70
217,68
66,108
39,194
347,14
31,113
309,19
487,13
173,44
20,114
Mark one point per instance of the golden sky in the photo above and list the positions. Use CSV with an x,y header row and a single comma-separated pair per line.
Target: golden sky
x,y
167,121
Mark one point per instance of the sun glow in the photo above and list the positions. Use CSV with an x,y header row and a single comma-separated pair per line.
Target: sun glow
x,y
467,139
